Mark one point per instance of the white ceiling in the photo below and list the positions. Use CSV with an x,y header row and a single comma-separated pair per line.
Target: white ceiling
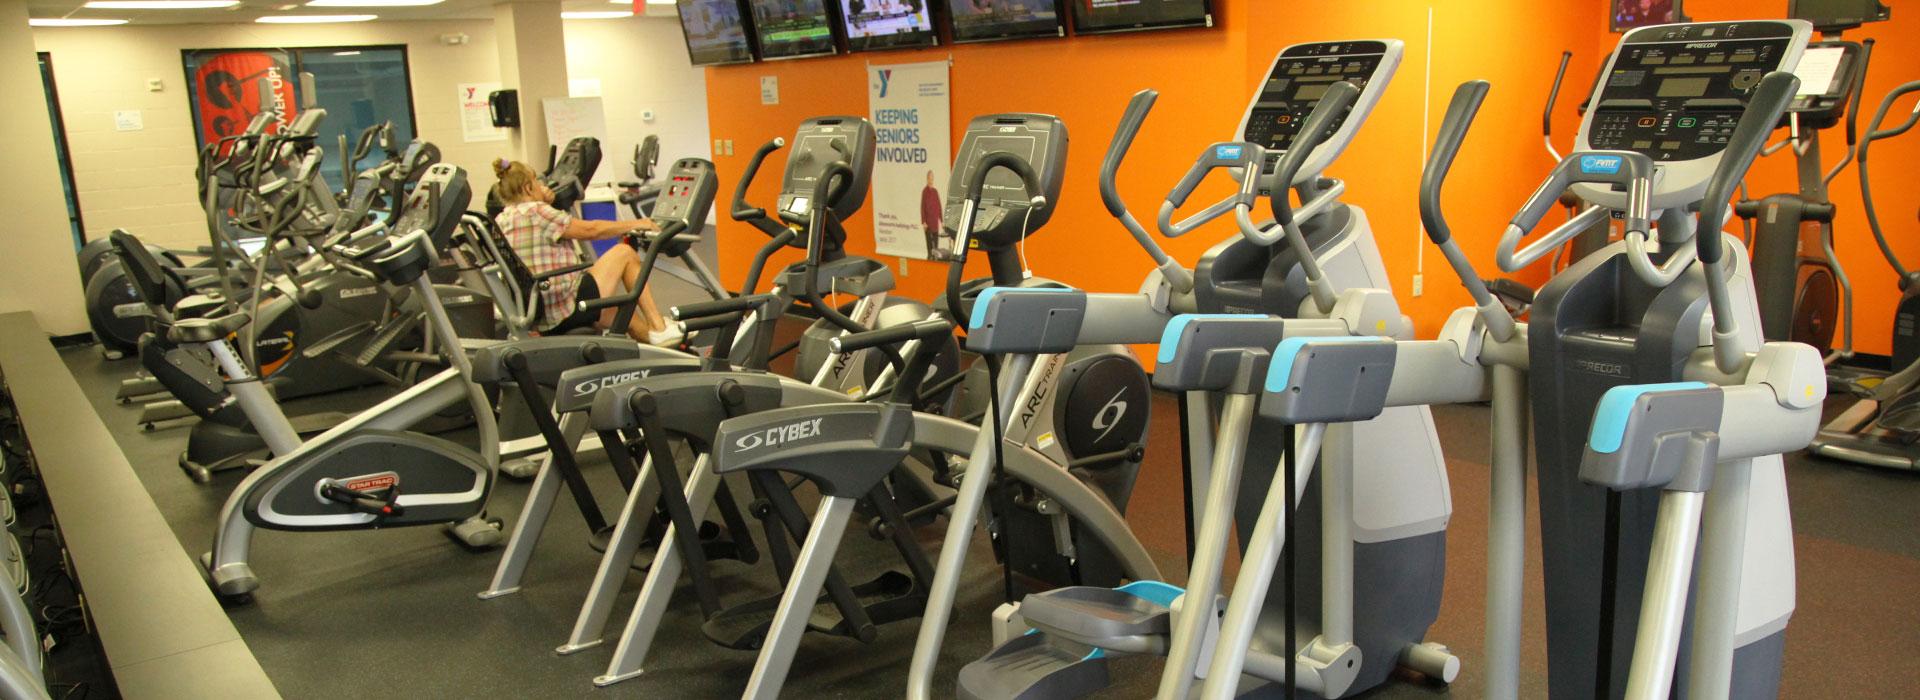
x,y
247,10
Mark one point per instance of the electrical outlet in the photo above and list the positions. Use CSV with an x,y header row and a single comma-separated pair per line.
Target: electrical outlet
x,y
729,146
1419,284
903,267
154,85
719,147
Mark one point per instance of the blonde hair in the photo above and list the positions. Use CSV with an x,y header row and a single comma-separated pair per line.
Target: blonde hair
x,y
516,181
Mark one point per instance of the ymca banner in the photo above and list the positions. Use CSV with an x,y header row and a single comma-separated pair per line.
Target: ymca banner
x,y
910,105
227,87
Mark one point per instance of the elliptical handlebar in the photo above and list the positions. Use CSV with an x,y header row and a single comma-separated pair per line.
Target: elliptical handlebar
x,y
1453,132
1553,98
1763,110
1320,123
970,206
923,330
1875,133
747,213
1130,122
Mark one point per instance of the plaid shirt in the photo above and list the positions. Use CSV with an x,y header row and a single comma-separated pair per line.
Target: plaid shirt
x,y
535,229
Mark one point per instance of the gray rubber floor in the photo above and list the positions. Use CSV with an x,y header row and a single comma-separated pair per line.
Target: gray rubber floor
x,y
393,613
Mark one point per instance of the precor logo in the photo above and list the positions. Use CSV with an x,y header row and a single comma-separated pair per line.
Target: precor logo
x,y
778,435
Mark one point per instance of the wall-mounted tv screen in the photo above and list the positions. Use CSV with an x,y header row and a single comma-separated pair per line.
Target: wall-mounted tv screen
x,y
1099,16
716,32
1836,15
1633,14
887,24
990,20
792,28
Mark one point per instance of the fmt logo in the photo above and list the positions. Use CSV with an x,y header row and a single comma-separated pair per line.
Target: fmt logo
x,y
593,385
1228,152
1606,165
778,435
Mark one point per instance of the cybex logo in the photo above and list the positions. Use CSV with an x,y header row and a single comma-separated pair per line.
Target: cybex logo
x,y
1109,415
1606,165
778,435
593,385
1228,152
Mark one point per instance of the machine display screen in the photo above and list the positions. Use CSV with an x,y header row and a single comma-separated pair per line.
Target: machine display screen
x,y
880,24
989,20
1683,87
792,28
716,32
1296,85
1097,16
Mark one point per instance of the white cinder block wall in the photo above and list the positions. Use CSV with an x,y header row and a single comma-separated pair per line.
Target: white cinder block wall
x,y
143,180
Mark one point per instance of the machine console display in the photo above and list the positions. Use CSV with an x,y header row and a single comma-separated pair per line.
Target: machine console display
x,y
1302,74
687,194
1675,92
819,142
1006,211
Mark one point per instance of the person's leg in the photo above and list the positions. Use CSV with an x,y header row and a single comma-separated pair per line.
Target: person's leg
x,y
649,317
609,272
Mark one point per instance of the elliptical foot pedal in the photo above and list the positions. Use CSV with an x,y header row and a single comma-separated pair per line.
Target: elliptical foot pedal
x,y
1030,668
385,339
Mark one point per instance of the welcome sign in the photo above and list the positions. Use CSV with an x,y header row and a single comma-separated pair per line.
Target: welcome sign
x,y
910,105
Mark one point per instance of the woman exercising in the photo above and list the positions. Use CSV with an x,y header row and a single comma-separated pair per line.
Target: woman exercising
x,y
546,238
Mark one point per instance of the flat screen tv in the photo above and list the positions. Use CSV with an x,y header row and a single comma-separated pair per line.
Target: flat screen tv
x,y
792,28
1102,16
993,20
1836,15
1633,14
871,25
716,32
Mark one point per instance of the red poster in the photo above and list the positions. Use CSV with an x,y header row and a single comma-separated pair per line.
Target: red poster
x,y
228,85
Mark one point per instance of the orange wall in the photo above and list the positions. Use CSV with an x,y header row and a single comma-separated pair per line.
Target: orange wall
x,y
1205,78
1896,59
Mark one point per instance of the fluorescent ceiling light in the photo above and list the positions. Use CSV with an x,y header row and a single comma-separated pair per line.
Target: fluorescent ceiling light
x,y
372,3
161,4
346,53
662,3
611,14
314,19
73,22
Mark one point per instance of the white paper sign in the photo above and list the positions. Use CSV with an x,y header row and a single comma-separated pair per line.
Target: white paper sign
x,y
128,120
1817,67
568,117
769,89
476,118
583,87
911,108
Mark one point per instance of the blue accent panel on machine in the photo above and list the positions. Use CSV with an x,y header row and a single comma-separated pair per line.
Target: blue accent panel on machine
x,y
1610,417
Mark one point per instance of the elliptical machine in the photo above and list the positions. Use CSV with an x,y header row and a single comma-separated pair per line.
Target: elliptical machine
x,y
1326,276
1881,428
1660,413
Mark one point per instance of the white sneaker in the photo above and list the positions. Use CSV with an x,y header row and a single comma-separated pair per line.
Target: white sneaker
x,y
665,337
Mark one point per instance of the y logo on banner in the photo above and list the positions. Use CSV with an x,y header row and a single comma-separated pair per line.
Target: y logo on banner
x,y
886,76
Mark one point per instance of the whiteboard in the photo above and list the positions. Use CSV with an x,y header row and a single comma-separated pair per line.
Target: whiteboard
x,y
569,117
